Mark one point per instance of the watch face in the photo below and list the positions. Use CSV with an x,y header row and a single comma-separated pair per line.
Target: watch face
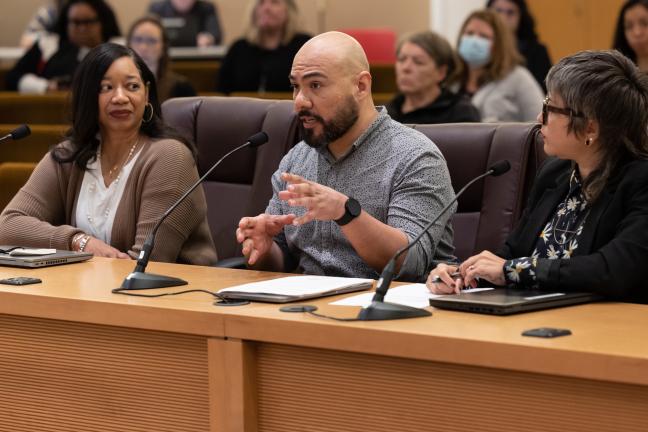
x,y
353,207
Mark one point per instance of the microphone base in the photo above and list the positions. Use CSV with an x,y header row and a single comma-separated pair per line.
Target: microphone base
x,y
380,311
140,280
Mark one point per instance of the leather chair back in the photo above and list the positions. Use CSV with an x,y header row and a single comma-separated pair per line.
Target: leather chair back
x,y
490,208
241,185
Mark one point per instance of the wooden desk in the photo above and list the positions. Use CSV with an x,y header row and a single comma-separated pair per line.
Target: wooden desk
x,y
75,357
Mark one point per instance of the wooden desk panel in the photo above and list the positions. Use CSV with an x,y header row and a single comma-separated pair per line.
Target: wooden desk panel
x,y
270,371
59,375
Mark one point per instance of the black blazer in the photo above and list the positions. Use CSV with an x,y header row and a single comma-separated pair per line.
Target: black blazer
x,y
613,248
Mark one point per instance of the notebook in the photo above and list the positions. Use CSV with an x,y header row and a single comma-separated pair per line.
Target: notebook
x,y
295,288
19,257
502,301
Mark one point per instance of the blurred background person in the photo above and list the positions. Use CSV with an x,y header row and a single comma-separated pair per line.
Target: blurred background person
x,y
425,66
189,22
585,227
631,34
501,89
148,38
261,61
515,14
43,22
51,61
104,189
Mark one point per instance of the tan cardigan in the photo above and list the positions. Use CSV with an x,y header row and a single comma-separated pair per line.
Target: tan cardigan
x,y
42,214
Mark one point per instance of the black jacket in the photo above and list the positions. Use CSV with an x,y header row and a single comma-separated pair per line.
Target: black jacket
x,y
250,68
613,248
447,108
60,66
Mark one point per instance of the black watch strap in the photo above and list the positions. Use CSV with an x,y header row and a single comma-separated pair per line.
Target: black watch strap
x,y
352,210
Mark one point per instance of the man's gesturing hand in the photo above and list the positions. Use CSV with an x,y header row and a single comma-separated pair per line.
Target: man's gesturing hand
x,y
256,233
321,202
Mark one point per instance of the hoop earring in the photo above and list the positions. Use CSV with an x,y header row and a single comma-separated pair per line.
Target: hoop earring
x,y
588,142
150,117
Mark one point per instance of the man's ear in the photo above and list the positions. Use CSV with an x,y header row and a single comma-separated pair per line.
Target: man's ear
x,y
364,84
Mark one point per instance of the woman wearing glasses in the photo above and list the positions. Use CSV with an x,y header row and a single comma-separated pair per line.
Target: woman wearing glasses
x,y
585,227
148,38
50,63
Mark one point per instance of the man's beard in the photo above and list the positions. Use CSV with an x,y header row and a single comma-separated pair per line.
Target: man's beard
x,y
342,121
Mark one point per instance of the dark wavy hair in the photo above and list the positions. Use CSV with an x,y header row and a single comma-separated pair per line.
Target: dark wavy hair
x,y
620,43
526,27
85,108
109,26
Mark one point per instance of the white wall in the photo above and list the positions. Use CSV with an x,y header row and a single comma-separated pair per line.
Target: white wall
x,y
446,16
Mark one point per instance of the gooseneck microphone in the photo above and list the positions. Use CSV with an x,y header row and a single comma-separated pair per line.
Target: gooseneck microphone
x,y
139,279
20,132
380,310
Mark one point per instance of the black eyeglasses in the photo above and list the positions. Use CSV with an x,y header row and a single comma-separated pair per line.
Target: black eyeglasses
x,y
546,109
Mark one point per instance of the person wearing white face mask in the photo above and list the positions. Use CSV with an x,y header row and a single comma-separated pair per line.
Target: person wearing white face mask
x,y
501,89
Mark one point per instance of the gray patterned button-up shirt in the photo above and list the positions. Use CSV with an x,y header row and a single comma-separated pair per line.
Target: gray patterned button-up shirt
x,y
399,177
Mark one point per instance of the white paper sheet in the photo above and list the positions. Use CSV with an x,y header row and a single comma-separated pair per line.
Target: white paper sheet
x,y
298,285
414,295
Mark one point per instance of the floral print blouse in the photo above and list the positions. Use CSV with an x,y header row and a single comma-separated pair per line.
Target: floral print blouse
x,y
557,240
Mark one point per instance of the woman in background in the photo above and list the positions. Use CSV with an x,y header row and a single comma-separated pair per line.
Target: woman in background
x,y
501,89
51,61
104,189
515,14
585,227
261,61
189,22
425,65
148,39
631,34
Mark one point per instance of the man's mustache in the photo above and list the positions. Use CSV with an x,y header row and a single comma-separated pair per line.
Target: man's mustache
x,y
305,113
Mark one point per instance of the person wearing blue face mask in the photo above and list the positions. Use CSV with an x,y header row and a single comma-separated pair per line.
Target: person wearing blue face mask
x,y
501,89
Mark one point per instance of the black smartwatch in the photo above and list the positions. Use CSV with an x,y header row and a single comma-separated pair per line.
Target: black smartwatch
x,y
352,210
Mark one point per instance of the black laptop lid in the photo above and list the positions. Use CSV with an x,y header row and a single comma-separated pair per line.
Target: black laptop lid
x,y
502,301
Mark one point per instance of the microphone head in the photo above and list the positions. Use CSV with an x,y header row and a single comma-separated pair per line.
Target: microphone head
x,y
258,139
499,167
20,132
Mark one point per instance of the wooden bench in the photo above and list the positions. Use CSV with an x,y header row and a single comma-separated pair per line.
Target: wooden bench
x,y
50,108
33,147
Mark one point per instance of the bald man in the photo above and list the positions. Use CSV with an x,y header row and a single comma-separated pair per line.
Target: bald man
x,y
358,187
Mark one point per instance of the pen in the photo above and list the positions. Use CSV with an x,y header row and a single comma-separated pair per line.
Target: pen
x,y
437,278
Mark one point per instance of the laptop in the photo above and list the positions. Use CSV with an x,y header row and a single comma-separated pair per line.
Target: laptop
x,y
58,257
502,301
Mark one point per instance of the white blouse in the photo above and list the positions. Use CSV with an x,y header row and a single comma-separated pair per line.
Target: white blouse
x,y
97,204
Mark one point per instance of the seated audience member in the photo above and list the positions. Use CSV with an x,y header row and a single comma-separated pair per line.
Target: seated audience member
x,y
586,224
50,63
631,34
189,22
148,39
360,185
43,22
425,64
515,14
261,60
103,189
501,89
